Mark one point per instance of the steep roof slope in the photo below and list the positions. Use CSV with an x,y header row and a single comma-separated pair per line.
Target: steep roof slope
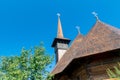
x,y
101,38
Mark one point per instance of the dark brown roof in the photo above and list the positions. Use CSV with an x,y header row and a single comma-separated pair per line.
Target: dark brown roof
x,y
101,38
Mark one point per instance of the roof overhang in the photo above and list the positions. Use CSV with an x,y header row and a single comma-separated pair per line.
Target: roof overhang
x,y
67,41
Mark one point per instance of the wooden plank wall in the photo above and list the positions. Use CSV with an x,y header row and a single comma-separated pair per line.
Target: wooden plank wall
x,y
92,68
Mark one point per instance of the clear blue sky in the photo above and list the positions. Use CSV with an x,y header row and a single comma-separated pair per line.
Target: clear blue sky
x,y
24,23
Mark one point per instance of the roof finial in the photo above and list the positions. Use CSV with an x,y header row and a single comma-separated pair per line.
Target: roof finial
x,y
58,14
95,14
78,28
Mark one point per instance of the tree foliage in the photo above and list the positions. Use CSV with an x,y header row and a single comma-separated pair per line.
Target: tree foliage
x,y
32,64
115,73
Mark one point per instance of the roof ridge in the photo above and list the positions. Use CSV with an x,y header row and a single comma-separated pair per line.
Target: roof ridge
x,y
116,30
110,27
77,38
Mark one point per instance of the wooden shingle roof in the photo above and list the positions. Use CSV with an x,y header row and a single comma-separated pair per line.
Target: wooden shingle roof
x,y
101,38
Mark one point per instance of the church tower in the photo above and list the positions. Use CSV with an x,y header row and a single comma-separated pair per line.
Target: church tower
x,y
60,44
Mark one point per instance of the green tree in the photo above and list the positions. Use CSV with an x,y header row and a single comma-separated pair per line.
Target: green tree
x,y
115,73
32,64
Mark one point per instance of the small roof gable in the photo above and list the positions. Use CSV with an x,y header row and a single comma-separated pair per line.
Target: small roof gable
x,y
101,38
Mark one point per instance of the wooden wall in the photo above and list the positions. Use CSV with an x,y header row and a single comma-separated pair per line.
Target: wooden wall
x,y
92,67
95,66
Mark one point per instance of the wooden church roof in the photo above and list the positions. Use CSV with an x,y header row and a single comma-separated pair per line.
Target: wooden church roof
x,y
101,38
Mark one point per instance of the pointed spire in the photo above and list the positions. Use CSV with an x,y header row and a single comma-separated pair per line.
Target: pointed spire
x,y
60,32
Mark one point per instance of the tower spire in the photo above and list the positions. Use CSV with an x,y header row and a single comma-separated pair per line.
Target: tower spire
x,y
60,44
59,32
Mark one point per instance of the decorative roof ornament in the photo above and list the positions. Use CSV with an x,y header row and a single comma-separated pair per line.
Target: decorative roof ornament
x,y
78,28
95,14
58,14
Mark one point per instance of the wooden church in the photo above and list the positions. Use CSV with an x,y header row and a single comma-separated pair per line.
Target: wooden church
x,y
88,56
